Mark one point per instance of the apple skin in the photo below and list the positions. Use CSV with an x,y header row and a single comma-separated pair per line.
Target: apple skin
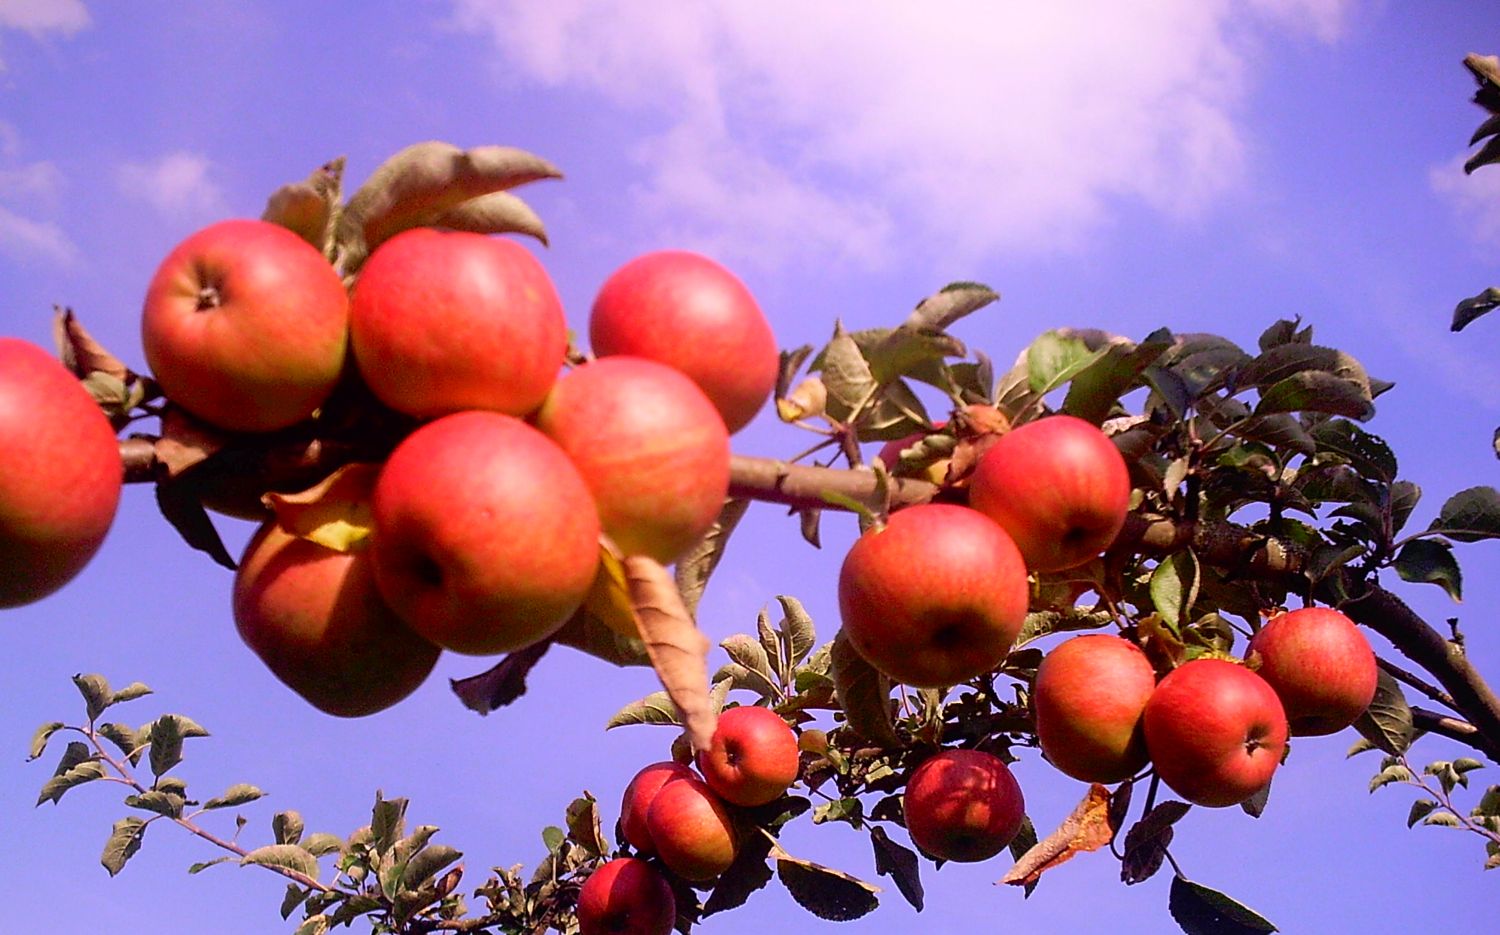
x,y
635,805
651,447
60,477
315,618
753,757
1059,486
935,597
692,830
1216,732
1089,695
687,311
441,321
246,326
626,896
963,805
486,539
1321,667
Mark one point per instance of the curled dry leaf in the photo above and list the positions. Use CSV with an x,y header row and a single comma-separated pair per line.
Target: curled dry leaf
x,y
184,442
495,213
806,401
78,350
335,512
1087,829
306,208
678,651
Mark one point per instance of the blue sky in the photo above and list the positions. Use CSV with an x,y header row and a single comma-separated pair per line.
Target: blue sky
x,y
1207,166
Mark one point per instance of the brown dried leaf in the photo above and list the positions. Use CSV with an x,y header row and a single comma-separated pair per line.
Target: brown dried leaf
x,y
495,213
335,512
678,650
1087,829
305,208
806,401
185,441
78,350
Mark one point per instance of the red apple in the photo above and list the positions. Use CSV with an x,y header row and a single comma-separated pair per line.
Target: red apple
x,y
651,447
693,832
963,805
636,803
442,321
1321,667
60,475
246,326
687,311
315,618
485,537
752,758
935,597
1089,695
1216,732
1059,487
626,896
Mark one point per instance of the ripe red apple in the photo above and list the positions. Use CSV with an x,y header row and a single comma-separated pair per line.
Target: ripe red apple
x,y
692,830
1216,732
1059,487
442,321
1321,667
639,794
687,311
1089,695
60,475
963,805
315,618
246,326
935,597
486,539
626,896
651,447
752,758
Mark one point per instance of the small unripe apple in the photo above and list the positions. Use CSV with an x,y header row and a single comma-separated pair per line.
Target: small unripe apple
x,y
626,896
60,475
693,832
963,805
1321,667
935,597
685,310
442,321
651,447
1089,696
315,618
1216,732
246,326
752,758
635,805
1059,487
486,539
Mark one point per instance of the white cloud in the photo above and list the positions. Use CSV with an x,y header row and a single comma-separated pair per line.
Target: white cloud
x,y
786,127
1475,198
178,185
40,17
25,238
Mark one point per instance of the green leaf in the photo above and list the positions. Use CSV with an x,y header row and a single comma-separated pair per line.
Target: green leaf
x,y
1488,153
426,863
907,351
1053,360
694,569
129,740
851,811
864,694
846,374
1442,820
1419,810
1429,561
284,857
951,303
1097,387
287,827
387,823
1392,773
771,644
295,896
1470,515
40,738
584,826
797,628
179,504
1366,453
168,804
76,767
900,863
749,653
553,838
96,693
321,844
1387,722
1475,307
1288,360
123,842
166,743
1404,498
1174,587
1023,842
313,925
239,794
1203,911
204,865
130,693
655,708
1317,391
823,891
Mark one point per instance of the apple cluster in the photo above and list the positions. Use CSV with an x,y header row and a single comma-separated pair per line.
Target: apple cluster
x,y
485,522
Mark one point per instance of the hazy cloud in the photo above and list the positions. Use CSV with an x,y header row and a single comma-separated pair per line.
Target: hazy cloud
x,y
177,184
24,238
1474,198
993,127
41,17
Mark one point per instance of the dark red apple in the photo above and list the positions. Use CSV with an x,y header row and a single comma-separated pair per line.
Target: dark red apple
x,y
1320,665
626,896
639,794
963,805
1089,696
753,757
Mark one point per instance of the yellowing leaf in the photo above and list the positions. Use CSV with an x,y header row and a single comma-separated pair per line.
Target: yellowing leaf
x,y
678,651
335,512
609,598
1087,829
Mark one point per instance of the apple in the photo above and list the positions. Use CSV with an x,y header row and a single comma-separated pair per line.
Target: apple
x,y
639,794
685,310
963,805
1216,732
626,896
692,830
485,538
651,447
315,618
442,321
1059,486
1089,695
1321,667
60,477
934,597
752,758
246,326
